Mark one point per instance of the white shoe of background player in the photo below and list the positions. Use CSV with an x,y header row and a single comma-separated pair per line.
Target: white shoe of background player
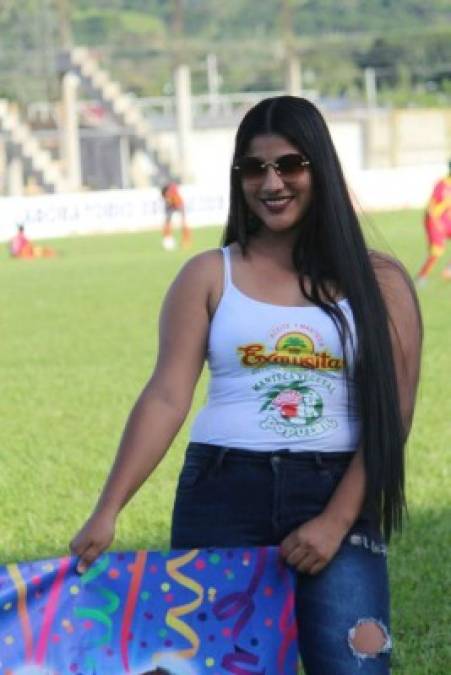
x,y
169,243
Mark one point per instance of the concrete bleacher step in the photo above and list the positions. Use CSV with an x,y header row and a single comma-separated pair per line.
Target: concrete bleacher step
x,y
39,161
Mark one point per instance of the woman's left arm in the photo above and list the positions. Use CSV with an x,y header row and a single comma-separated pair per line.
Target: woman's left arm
x,y
406,329
311,546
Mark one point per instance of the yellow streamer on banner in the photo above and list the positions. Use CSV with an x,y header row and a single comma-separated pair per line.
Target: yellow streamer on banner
x,y
21,588
173,614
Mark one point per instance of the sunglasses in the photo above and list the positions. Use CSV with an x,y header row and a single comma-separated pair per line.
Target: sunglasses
x,y
288,167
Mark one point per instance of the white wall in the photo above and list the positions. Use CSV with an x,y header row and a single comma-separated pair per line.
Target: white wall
x,y
212,151
400,188
211,155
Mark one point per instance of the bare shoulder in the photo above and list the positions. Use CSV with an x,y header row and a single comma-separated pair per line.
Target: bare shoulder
x,y
201,279
391,274
398,289
186,312
201,271
203,266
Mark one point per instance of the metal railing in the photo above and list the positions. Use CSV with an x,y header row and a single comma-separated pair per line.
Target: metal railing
x,y
207,109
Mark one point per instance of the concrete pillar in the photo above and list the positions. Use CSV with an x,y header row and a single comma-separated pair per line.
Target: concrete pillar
x,y
293,75
370,88
182,82
3,167
70,138
15,177
214,83
124,158
378,139
395,140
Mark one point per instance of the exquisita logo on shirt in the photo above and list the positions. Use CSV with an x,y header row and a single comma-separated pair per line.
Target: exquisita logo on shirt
x,y
291,349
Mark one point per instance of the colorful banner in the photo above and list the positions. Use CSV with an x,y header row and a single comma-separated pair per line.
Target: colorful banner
x,y
191,612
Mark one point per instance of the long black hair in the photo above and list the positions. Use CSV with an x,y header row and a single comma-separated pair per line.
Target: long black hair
x,y
330,255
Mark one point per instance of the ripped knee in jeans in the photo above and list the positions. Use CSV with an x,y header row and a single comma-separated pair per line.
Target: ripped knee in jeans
x,y
369,638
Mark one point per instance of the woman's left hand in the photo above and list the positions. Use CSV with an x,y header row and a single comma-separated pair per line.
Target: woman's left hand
x,y
312,546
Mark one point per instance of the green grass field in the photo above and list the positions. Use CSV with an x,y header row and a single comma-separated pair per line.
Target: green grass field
x,y
78,340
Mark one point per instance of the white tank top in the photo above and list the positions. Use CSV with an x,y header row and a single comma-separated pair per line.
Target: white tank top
x,y
277,377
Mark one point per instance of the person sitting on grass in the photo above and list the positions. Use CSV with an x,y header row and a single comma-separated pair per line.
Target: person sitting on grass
x,y
21,247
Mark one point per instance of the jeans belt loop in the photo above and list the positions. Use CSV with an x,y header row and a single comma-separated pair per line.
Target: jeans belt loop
x,y
220,459
319,460
275,463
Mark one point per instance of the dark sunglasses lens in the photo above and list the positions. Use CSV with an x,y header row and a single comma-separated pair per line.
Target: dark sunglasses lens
x,y
290,165
250,167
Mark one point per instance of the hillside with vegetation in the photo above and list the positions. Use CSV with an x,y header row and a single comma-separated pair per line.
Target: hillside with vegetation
x,y
407,42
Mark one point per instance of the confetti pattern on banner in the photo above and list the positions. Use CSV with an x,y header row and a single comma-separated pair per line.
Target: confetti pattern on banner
x,y
210,611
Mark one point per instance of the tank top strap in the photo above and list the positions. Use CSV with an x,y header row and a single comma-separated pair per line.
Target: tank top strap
x,y
227,267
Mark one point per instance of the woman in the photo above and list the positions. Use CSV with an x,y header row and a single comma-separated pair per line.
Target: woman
x,y
313,343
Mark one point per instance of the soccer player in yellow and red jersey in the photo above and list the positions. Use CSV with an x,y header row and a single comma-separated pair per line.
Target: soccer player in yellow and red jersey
x,y
437,222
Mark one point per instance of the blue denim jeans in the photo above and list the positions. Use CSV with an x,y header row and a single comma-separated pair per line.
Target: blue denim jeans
x,y
227,497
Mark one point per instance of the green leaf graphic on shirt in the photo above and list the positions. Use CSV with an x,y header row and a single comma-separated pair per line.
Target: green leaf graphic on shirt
x,y
295,344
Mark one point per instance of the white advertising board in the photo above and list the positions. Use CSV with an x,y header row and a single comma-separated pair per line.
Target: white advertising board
x,y
60,215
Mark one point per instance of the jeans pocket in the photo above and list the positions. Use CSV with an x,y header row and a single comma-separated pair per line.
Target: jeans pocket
x,y
193,470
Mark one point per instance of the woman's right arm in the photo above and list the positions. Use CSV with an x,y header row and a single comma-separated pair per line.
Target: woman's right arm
x,y
161,407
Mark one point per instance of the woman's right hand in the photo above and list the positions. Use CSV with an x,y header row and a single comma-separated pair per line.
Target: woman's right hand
x,y
93,538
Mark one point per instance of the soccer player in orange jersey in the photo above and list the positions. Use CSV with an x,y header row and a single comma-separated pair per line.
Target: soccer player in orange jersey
x,y
173,202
